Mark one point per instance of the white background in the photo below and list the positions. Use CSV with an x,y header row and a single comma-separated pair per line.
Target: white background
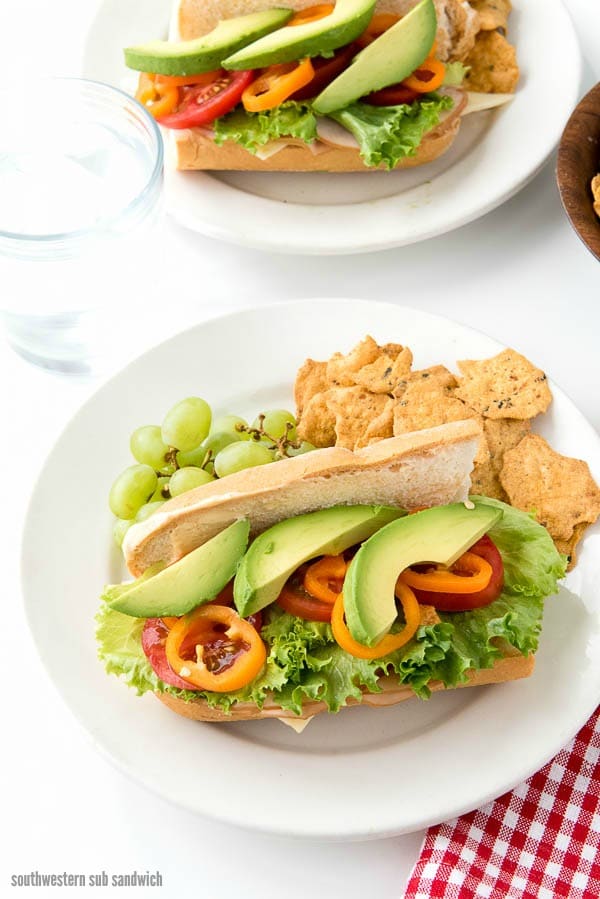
x,y
519,274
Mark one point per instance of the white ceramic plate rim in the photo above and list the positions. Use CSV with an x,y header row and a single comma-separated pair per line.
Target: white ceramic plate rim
x,y
518,143
119,723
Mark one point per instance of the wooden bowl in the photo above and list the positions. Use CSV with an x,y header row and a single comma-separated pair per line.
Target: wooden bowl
x,y
578,162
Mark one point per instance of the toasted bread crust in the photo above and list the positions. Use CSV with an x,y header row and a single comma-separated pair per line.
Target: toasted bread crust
x,y
511,667
425,468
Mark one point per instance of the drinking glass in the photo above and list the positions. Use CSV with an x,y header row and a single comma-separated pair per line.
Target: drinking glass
x,y
80,188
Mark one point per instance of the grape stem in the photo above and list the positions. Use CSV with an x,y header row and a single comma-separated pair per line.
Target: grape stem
x,y
280,445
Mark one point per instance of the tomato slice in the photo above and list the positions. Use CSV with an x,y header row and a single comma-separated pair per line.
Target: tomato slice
x,y
394,95
325,71
203,103
463,602
297,601
154,636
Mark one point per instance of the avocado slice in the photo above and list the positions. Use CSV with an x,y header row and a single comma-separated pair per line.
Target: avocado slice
x,y
348,19
387,60
280,550
440,534
207,52
192,581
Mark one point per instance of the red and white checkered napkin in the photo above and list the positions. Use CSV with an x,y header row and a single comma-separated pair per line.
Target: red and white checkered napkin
x,y
541,841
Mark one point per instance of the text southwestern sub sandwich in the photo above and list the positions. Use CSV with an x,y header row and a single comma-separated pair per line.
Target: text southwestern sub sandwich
x,y
293,86
330,579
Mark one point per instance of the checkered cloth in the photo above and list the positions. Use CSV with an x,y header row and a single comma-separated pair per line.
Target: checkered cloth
x,y
541,841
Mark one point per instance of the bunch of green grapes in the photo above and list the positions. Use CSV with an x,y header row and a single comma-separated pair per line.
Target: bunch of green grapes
x,y
190,449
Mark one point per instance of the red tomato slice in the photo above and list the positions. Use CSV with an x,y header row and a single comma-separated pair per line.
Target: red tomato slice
x,y
203,103
463,602
325,71
154,636
295,600
393,95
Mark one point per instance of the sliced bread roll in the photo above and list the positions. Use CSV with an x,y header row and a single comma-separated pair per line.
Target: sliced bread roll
x,y
425,468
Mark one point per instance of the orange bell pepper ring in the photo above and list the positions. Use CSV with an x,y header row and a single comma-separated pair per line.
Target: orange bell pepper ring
x,y
475,574
323,576
158,98
311,14
276,84
376,27
214,649
390,642
428,77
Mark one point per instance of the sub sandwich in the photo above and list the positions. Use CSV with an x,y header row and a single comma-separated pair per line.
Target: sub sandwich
x,y
293,86
327,580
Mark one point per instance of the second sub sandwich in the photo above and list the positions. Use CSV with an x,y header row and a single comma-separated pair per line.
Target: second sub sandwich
x,y
343,87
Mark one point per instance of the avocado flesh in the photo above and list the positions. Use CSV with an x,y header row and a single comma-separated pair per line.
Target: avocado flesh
x,y
347,21
390,58
280,550
206,53
441,534
192,581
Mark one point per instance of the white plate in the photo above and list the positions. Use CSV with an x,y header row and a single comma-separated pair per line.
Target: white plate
x,y
365,772
495,155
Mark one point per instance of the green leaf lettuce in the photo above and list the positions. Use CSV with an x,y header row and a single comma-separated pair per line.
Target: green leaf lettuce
x,y
305,663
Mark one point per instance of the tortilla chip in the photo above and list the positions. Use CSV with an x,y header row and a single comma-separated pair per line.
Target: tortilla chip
x,y
501,434
435,374
426,404
380,428
317,424
493,14
382,375
596,193
568,547
492,65
355,409
311,379
560,490
505,386
457,27
342,369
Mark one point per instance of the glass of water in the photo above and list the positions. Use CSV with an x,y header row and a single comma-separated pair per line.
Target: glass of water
x,y
80,188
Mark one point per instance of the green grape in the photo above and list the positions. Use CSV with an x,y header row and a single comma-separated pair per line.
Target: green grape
x,y
148,509
305,447
214,442
120,528
147,447
195,457
162,491
187,424
187,478
226,424
131,490
237,456
275,423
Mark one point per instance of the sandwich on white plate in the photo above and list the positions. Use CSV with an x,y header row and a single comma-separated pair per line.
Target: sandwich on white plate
x,y
353,86
327,580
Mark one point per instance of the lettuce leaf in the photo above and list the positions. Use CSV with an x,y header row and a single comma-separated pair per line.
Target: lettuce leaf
x,y
305,662
455,74
387,134
254,129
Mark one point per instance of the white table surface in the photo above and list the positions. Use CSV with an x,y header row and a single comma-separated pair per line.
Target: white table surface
x,y
519,274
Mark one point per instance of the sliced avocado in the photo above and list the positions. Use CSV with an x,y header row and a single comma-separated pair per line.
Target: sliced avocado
x,y
387,60
441,534
207,52
280,550
193,580
348,19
